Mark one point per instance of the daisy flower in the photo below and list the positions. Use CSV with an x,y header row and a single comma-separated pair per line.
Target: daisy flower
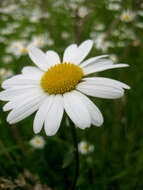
x,y
85,148
54,86
18,48
113,7
38,41
127,16
82,11
5,74
37,142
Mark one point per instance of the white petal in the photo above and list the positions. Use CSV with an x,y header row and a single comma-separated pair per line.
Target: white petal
x,y
30,70
54,116
97,68
7,107
10,93
95,114
26,108
103,91
70,53
92,60
76,110
38,57
106,82
19,80
83,51
18,100
33,76
53,58
42,114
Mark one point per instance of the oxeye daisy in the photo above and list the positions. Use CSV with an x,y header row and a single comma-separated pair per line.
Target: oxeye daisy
x,y
37,142
85,148
54,86
127,16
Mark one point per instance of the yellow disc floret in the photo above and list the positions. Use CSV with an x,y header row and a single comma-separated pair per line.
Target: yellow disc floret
x,y
127,17
37,141
61,78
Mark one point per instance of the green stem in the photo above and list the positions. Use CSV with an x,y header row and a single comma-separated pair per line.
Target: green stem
x,y
73,129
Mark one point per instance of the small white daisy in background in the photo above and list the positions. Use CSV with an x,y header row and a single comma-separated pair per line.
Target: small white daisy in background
x,y
56,85
127,16
113,7
38,41
17,48
85,148
139,25
82,11
140,13
65,35
7,31
5,74
35,15
50,41
99,27
114,58
101,43
37,142
7,58
73,6
9,9
46,15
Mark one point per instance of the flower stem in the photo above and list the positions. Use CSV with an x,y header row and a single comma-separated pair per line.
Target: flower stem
x,y
73,129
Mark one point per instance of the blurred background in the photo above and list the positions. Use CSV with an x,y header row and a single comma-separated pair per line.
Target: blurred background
x,y
111,157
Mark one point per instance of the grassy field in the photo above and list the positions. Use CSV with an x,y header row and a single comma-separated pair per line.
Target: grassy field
x,y
117,160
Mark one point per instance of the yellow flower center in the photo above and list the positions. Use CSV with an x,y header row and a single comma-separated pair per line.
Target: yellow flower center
x,y
38,43
86,147
23,50
37,141
61,78
127,17
4,72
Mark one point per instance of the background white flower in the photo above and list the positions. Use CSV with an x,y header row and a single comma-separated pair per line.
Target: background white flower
x,y
85,148
5,73
127,16
37,142
82,11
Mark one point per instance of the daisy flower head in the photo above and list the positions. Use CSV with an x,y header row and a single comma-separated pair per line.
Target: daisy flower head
x,y
37,142
54,86
85,148
5,74
127,16
18,48
113,7
39,41
82,11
